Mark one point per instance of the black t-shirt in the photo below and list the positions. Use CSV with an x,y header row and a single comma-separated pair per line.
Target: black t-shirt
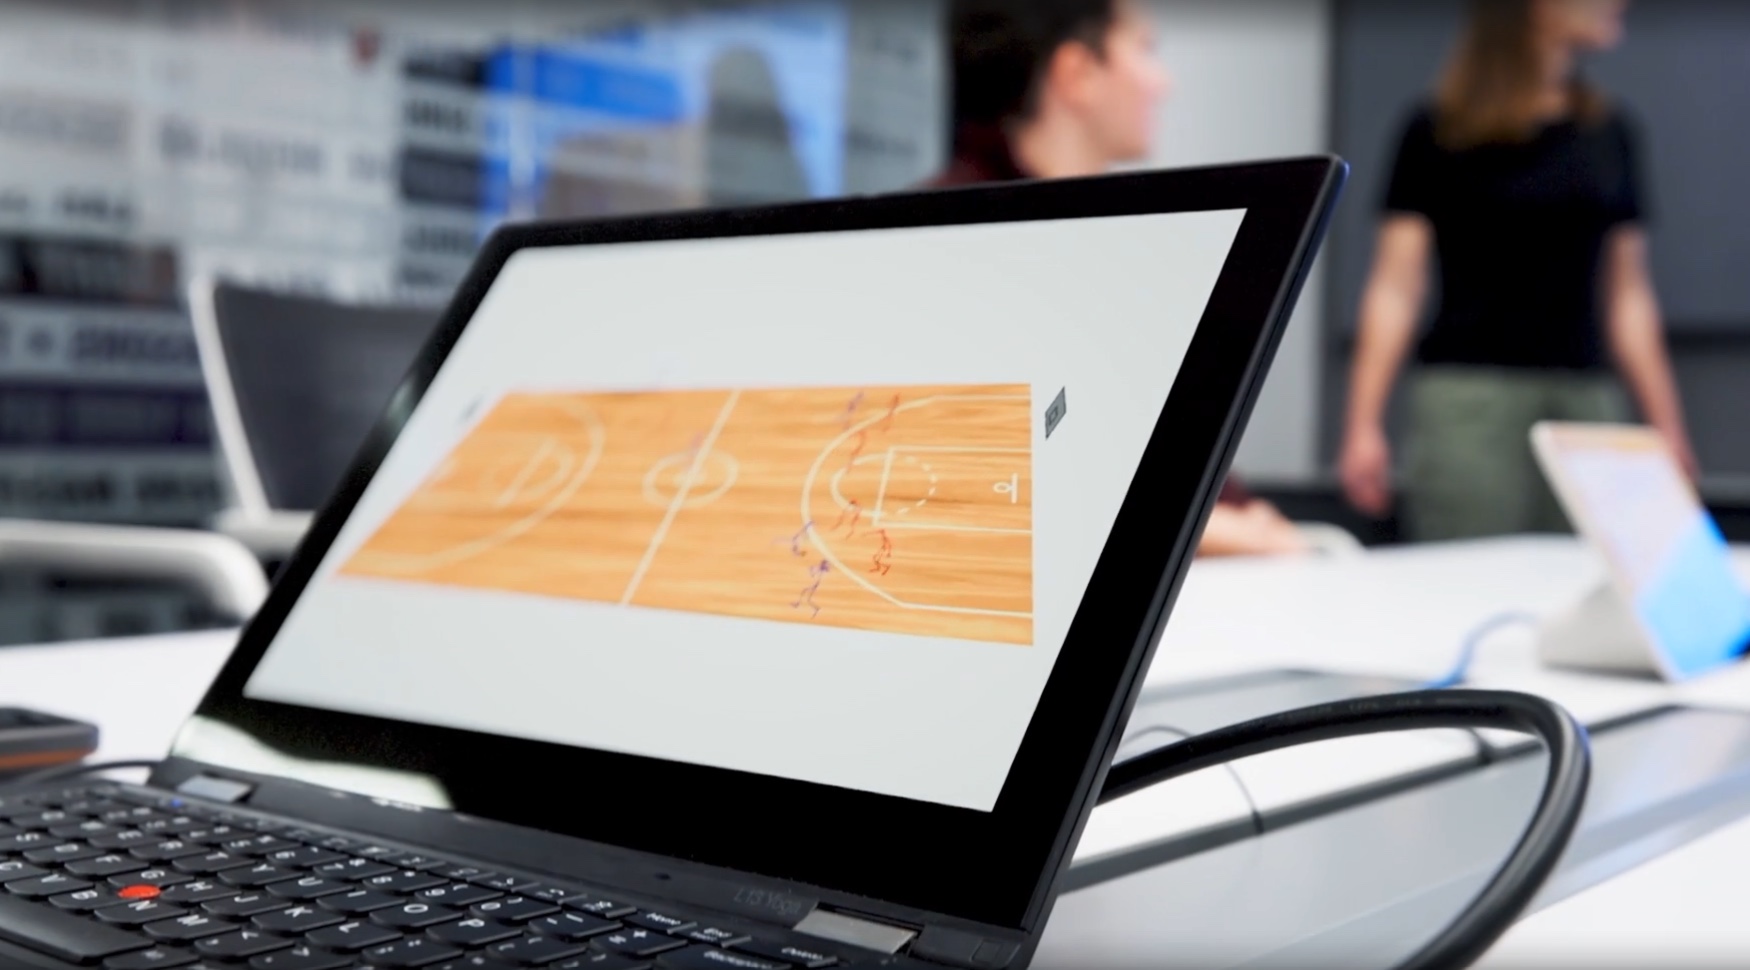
x,y
1520,232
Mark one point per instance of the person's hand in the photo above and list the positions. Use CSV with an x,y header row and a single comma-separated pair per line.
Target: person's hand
x,y
1677,441
1256,529
1365,468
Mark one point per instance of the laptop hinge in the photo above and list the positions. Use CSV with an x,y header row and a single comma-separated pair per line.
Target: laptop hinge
x,y
958,948
855,930
215,789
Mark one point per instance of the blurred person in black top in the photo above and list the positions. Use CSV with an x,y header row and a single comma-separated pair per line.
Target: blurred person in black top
x,y
1068,88
1524,183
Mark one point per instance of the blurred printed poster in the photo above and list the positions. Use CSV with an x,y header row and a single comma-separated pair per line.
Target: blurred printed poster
x,y
716,107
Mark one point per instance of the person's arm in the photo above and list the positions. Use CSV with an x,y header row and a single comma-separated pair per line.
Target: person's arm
x,y
1635,334
1391,307
1254,529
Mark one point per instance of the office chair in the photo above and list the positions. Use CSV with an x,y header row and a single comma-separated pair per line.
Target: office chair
x,y
296,384
227,575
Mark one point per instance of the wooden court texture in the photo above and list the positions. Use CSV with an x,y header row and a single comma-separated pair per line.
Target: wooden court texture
x,y
886,509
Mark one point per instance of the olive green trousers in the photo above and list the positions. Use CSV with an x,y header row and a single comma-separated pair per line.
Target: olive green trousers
x,y
1469,470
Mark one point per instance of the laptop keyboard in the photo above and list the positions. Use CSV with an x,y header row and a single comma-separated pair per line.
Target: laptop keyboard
x,y
123,879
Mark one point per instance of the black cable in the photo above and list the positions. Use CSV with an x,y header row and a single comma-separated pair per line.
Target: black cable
x,y
1514,885
1232,772
71,771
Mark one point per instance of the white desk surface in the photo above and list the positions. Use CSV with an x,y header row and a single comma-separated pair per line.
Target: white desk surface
x,y
1400,612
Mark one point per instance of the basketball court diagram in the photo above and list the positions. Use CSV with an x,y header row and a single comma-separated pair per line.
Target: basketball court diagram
x,y
885,509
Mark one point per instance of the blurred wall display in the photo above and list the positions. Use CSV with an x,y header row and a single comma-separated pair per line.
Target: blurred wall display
x,y
361,152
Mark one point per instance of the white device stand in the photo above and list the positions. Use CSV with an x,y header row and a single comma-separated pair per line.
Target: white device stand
x,y
1599,632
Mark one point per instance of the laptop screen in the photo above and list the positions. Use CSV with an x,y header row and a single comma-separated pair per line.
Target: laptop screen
x,y
819,507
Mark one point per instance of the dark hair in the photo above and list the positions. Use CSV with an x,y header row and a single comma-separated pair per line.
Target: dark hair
x,y
1002,49
1488,94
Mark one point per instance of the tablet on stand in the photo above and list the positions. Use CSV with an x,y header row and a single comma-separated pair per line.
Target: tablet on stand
x,y
1671,604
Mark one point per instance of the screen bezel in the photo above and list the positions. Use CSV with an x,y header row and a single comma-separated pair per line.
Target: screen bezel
x,y
997,868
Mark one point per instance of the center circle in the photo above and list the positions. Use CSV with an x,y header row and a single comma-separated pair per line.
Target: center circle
x,y
665,479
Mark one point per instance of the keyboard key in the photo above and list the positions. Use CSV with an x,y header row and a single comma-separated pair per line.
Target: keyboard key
x,y
129,839
801,956
86,900
88,829
661,923
162,878
407,881
601,961
168,850
635,943
465,873
211,863
62,935
297,920
42,887
503,883
339,843
244,905
45,820
212,834
240,945
18,869
554,894
186,929
301,958
106,865
458,894
138,912
158,956
418,863
415,952
474,961
359,902
535,950
169,826
62,854
473,933
351,937
26,841
702,957
256,876
371,851
413,916
307,887
572,926
301,856
197,891
351,870
513,909
605,908
716,936
256,845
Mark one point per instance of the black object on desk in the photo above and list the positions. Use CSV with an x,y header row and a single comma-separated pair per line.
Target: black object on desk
x,y
33,740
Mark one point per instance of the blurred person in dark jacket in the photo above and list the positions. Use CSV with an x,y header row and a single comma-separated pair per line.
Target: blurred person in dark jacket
x,y
1069,88
1524,182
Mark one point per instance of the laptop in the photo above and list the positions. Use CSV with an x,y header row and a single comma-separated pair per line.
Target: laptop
x,y
1674,605
755,589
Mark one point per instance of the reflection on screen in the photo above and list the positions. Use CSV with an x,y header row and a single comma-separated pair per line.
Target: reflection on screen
x,y
816,507
1668,551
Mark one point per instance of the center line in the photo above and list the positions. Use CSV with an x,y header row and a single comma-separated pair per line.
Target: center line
x,y
680,499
